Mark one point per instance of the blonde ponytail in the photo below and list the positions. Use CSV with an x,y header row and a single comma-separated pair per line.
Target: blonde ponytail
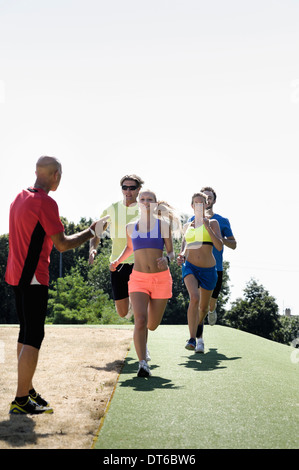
x,y
167,213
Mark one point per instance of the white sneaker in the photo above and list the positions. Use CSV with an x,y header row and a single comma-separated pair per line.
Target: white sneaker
x,y
200,347
212,318
147,355
144,370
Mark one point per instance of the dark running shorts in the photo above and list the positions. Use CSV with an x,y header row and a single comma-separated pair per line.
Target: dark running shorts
x,y
119,281
31,304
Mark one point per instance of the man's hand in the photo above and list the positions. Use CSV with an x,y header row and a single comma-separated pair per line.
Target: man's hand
x,y
101,225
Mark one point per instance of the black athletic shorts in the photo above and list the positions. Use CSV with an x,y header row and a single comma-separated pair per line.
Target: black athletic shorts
x,y
217,289
31,304
119,281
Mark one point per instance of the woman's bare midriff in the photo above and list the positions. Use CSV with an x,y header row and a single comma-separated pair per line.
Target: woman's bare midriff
x,y
145,260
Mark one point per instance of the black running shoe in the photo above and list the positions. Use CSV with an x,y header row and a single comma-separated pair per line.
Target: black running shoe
x,y
39,400
30,407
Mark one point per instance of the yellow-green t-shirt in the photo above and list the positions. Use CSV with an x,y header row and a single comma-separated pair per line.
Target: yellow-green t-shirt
x,y
120,216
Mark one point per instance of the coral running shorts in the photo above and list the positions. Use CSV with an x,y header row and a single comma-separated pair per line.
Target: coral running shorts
x,y
156,285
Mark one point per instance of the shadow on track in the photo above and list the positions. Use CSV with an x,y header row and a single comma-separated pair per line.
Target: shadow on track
x,y
211,360
144,384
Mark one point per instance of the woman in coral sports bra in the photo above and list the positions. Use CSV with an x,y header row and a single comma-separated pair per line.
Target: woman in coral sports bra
x,y
150,284
198,264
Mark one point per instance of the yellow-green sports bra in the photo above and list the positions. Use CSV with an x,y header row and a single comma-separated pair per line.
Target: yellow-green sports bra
x,y
198,234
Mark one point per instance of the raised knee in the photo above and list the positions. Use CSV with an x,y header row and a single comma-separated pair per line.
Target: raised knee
x,y
122,310
204,311
152,326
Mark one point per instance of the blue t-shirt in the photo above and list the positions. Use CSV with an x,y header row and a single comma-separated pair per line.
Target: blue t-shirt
x,y
226,231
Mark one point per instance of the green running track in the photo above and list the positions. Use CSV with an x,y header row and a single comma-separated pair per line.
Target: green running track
x,y
243,393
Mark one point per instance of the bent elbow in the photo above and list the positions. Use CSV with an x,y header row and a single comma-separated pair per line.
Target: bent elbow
x,y
60,241
219,246
59,248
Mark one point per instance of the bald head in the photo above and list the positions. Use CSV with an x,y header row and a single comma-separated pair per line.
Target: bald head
x,y
48,164
48,173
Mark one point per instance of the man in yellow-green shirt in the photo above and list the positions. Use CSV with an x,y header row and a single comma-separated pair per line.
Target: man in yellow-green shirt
x,y
121,213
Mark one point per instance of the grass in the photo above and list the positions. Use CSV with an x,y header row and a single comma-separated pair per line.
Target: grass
x,y
241,394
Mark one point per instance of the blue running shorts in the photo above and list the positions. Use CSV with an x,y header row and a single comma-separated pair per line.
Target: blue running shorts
x,y
206,277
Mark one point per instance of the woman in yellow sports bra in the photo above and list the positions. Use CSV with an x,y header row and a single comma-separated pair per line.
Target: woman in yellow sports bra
x,y
198,263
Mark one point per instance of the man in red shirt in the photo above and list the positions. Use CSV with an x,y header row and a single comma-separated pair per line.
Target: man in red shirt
x,y
34,226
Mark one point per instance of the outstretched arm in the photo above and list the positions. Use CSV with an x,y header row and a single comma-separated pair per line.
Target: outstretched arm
x,y
68,242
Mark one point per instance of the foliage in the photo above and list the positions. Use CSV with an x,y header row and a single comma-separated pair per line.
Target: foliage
x,y
8,312
99,274
289,331
61,263
75,300
257,313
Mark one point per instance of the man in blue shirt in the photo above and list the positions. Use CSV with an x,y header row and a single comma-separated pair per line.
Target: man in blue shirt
x,y
230,242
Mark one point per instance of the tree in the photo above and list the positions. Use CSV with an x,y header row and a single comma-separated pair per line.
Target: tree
x,y
8,313
75,300
99,274
257,313
61,263
289,331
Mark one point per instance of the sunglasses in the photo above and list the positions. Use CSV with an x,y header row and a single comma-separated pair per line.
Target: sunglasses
x,y
131,188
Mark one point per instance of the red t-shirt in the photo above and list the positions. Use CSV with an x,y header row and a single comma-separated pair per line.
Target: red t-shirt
x,y
33,218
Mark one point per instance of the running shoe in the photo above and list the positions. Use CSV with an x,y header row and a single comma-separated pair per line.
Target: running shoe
x,y
38,399
200,347
30,407
191,344
148,356
144,370
212,318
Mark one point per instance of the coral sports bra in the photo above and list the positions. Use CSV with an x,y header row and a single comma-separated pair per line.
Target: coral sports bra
x,y
151,239
198,234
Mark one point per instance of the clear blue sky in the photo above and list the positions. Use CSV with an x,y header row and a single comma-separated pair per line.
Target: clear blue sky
x,y
185,93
